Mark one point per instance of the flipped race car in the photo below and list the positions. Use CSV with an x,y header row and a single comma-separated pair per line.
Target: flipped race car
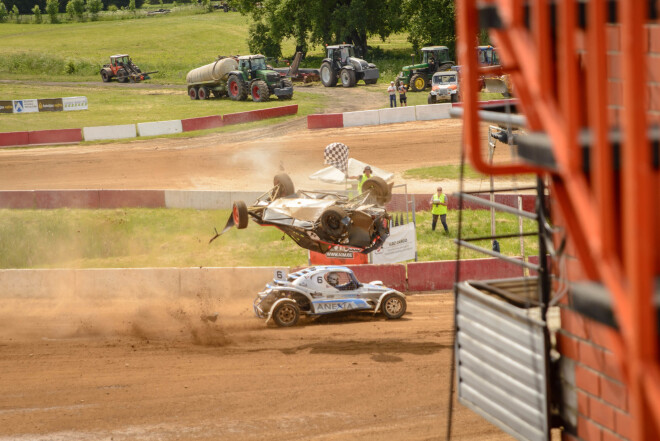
x,y
322,290
320,221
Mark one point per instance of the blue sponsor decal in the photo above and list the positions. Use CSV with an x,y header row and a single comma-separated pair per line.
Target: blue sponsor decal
x,y
330,306
18,106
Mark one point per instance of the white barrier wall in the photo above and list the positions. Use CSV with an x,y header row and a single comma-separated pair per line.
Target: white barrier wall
x,y
198,199
362,118
159,128
109,132
396,115
432,111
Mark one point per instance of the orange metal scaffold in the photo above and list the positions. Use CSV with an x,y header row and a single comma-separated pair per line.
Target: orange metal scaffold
x,y
562,92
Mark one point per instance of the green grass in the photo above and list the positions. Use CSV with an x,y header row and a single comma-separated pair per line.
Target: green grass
x,y
125,105
451,172
136,238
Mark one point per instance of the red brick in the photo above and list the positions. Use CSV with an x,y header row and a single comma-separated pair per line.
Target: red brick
x,y
614,393
623,423
612,367
601,412
610,436
592,356
653,68
614,66
583,403
565,436
572,322
587,380
600,334
589,431
613,38
567,345
654,39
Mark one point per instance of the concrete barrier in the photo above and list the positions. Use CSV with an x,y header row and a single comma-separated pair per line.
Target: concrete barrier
x,y
430,112
51,199
435,276
326,121
198,199
159,128
37,283
9,139
202,123
16,199
257,115
101,133
362,118
393,276
396,115
61,136
239,283
132,198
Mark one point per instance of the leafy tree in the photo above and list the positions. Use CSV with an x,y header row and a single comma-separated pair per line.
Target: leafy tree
x,y
37,14
131,6
431,22
3,12
52,8
208,6
93,8
15,14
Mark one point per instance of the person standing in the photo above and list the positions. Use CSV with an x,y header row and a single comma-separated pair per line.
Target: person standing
x,y
403,100
366,174
392,91
439,209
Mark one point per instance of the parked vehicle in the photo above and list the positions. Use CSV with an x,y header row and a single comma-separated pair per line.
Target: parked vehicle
x,y
324,290
341,63
444,87
236,77
319,221
418,76
122,68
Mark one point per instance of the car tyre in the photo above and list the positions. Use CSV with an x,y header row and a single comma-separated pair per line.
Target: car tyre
x,y
236,88
122,76
331,221
417,83
283,186
328,76
393,306
259,91
105,76
240,214
432,99
378,188
286,314
347,77
203,93
192,93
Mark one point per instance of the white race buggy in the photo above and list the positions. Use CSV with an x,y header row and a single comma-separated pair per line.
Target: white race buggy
x,y
323,290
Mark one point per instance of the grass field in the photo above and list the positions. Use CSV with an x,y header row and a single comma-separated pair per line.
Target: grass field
x,y
135,238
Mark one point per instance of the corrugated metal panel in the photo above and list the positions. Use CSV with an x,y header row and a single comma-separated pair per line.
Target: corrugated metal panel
x,y
501,363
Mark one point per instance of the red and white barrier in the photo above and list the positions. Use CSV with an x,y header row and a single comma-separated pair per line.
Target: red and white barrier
x,y
396,115
159,128
362,118
202,123
102,133
430,112
61,136
10,139
257,115
325,121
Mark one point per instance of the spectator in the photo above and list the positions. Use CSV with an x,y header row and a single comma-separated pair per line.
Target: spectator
x,y
392,91
439,209
402,95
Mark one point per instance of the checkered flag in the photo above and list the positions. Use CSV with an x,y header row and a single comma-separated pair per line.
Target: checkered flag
x,y
336,154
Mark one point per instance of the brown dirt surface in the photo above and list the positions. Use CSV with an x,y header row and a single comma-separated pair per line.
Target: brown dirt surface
x,y
128,369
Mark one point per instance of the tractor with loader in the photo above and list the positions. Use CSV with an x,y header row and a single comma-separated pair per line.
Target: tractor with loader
x,y
237,77
417,77
341,63
122,68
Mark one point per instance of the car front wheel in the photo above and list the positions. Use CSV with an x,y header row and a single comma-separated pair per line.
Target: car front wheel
x,y
393,306
286,314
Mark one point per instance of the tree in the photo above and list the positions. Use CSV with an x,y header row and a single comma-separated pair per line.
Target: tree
x,y
15,14
131,6
320,22
52,8
37,14
3,12
431,22
93,8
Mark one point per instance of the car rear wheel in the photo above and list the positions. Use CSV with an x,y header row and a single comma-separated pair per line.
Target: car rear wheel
x,y
417,83
105,76
347,77
260,91
378,188
283,186
393,306
331,221
192,93
236,88
286,314
203,93
328,77
240,214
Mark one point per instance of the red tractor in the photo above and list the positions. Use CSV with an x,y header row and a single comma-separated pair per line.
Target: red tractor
x,y
123,68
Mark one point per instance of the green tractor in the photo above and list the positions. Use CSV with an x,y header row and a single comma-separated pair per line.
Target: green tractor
x,y
418,76
257,79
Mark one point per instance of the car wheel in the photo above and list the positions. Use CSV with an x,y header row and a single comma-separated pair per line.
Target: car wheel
x,y
286,314
331,221
192,93
454,98
203,93
378,188
328,77
347,78
260,91
122,76
417,83
105,76
240,214
236,88
393,306
283,186
432,99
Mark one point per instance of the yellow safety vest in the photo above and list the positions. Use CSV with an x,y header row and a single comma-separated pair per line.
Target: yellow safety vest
x,y
363,178
439,209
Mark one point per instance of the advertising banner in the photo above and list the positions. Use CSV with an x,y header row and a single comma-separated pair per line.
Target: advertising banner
x,y
50,105
74,103
399,247
6,107
339,255
25,106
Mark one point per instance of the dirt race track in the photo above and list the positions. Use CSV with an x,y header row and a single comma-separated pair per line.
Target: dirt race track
x,y
131,369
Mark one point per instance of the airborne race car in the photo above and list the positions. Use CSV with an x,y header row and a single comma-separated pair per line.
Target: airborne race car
x,y
320,221
325,290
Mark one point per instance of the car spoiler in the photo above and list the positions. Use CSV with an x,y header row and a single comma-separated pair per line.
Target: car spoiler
x,y
230,223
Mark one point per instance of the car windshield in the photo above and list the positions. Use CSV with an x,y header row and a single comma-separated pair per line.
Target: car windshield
x,y
444,79
258,63
347,52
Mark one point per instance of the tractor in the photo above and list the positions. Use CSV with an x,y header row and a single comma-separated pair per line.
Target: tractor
x,y
491,82
257,79
122,67
342,63
418,76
